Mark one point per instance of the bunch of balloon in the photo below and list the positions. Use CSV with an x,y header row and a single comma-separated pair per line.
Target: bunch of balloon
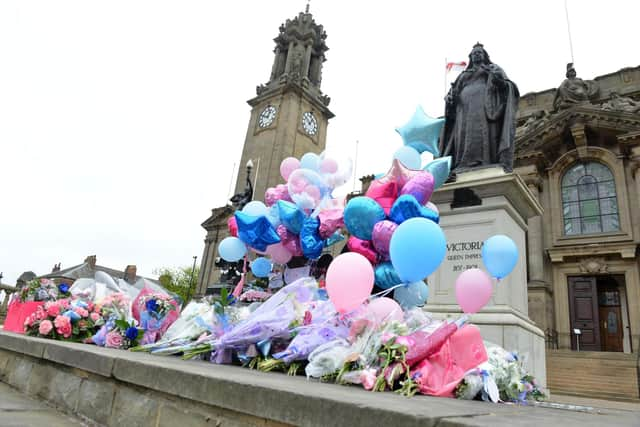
x,y
473,287
394,225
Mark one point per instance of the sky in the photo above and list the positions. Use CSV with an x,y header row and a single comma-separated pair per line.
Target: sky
x,y
121,122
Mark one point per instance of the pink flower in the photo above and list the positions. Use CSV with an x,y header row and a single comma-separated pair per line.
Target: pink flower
x,y
45,327
113,340
64,303
94,316
81,312
40,314
29,320
368,378
53,309
63,326
386,337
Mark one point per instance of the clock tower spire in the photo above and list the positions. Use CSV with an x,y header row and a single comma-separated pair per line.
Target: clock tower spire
x,y
289,114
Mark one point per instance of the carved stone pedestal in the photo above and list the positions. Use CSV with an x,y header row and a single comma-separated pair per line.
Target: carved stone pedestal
x,y
477,206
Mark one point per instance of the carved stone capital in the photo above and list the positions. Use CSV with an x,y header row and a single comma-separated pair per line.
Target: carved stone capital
x,y
594,265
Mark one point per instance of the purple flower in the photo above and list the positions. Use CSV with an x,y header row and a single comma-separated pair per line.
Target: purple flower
x,y
327,333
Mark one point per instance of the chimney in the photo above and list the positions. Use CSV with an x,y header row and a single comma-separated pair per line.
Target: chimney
x,y
56,268
91,260
130,273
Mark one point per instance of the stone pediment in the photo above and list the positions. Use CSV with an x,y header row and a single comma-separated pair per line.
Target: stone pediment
x,y
534,136
218,216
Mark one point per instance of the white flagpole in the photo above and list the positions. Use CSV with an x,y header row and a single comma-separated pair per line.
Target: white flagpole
x,y
445,76
355,167
566,11
231,182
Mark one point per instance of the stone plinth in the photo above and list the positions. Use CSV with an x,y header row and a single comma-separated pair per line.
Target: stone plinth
x,y
477,206
119,388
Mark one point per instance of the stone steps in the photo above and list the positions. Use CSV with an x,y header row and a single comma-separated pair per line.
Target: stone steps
x,y
593,374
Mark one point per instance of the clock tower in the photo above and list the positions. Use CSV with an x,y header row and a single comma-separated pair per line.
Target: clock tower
x,y
290,114
289,117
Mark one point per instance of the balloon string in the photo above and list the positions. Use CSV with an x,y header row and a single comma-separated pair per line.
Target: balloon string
x,y
386,291
238,290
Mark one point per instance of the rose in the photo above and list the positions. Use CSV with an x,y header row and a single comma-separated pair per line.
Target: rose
x,y
132,333
152,305
368,378
81,312
113,340
63,326
94,316
53,310
45,327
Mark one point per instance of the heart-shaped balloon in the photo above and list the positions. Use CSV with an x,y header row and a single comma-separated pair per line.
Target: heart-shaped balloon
x,y
440,169
381,236
233,226
385,193
420,186
310,241
273,194
407,207
363,247
291,216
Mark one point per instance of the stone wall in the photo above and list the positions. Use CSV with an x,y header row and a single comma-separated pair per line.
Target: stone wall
x,y
119,388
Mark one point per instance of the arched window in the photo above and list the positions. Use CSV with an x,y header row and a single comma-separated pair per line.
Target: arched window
x,y
589,200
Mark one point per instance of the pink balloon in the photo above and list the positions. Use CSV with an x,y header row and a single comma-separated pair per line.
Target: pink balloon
x,y
279,254
363,247
313,192
385,310
330,221
273,194
329,166
432,206
349,281
381,236
473,290
289,240
287,166
233,226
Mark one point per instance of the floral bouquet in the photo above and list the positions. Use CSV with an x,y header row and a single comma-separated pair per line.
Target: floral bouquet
x,y
155,312
43,290
63,320
117,305
118,333
502,378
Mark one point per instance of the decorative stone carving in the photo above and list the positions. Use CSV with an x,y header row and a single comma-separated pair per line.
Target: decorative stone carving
x,y
621,103
594,265
574,90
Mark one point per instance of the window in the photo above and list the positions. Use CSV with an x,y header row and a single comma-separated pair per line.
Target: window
x,y
589,203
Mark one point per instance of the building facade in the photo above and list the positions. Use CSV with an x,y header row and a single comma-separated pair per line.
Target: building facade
x,y
578,149
289,117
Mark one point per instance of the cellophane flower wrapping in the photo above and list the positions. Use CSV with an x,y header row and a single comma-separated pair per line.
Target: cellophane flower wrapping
x,y
155,312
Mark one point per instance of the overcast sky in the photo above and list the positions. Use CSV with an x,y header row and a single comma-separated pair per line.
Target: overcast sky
x,y
121,121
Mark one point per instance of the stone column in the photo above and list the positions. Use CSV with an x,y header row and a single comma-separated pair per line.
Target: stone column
x,y
534,237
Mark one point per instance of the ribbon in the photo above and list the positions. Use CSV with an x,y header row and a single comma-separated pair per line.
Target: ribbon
x,y
238,289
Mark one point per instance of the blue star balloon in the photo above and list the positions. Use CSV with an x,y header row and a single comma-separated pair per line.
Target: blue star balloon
x,y
256,231
422,132
406,207
440,169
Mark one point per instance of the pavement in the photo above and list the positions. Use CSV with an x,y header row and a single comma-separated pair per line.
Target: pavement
x,y
596,404
19,410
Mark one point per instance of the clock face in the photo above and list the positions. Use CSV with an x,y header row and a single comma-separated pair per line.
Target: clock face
x,y
267,116
309,123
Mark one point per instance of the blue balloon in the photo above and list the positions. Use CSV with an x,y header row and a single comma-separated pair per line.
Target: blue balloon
x,y
414,294
417,248
408,156
406,207
232,249
310,241
310,161
361,214
261,267
273,215
291,216
422,132
255,208
256,231
499,255
386,276
440,169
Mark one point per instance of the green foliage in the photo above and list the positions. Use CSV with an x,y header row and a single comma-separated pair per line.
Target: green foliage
x,y
180,280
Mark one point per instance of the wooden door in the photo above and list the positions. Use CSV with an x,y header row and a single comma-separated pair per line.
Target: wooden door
x,y
610,313
583,306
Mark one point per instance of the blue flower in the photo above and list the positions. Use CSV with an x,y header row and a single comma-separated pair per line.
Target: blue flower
x,y
63,288
132,333
152,306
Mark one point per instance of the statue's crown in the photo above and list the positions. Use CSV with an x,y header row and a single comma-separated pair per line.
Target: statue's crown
x,y
478,44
